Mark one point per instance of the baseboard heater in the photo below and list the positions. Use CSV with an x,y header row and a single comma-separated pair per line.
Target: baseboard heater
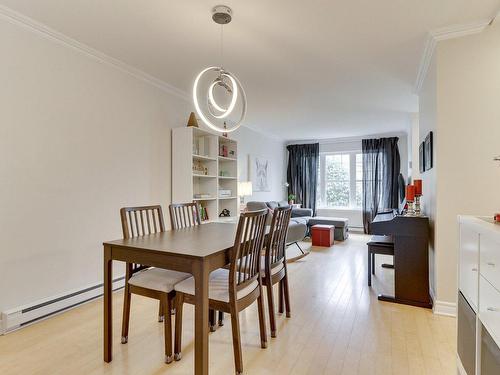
x,y
22,316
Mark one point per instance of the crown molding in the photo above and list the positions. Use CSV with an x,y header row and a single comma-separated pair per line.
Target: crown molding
x,y
19,19
438,35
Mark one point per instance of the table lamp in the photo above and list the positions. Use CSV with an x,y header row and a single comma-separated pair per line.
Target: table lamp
x,y
244,190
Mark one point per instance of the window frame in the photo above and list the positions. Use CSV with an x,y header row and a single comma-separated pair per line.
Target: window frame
x,y
321,202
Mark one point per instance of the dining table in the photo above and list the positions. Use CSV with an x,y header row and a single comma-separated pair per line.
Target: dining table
x,y
197,250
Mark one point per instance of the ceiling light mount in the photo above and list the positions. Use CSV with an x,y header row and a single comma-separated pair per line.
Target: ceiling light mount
x,y
222,14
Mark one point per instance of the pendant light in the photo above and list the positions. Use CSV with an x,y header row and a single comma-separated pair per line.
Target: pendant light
x,y
215,115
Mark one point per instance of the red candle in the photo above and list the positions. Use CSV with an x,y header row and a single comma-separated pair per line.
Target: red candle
x,y
410,193
418,187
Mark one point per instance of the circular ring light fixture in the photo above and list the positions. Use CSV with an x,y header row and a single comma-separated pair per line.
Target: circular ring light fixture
x,y
222,15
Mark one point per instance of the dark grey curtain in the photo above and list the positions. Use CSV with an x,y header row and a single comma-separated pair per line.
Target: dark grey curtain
x,y
302,173
381,167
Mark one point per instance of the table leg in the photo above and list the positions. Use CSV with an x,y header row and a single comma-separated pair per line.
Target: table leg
x,y
108,295
200,274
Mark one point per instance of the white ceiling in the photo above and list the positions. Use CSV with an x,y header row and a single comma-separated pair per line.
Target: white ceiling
x,y
315,69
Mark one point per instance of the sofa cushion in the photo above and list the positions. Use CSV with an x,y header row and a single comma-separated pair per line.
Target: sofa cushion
x,y
283,204
338,222
272,205
256,206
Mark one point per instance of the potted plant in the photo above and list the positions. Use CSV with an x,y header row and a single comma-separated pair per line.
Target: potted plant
x,y
291,198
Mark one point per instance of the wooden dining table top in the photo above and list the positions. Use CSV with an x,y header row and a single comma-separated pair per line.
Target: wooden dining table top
x,y
197,242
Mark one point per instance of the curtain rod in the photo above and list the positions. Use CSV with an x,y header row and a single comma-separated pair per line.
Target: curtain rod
x,y
346,139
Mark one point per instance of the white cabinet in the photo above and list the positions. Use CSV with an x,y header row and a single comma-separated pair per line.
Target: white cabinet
x,y
469,258
489,308
479,283
490,259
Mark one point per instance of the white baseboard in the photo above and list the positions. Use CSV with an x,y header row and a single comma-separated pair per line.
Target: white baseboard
x,y
22,316
442,307
445,308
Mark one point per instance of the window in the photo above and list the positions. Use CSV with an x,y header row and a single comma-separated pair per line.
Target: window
x,y
340,180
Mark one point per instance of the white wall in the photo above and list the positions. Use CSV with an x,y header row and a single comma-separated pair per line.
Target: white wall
x,y
468,118
414,144
78,140
252,143
459,102
427,123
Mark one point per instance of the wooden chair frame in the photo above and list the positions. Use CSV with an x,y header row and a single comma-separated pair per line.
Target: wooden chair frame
x,y
184,215
275,256
140,221
247,245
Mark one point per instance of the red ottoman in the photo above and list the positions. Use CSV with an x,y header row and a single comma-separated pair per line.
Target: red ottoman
x,y
322,235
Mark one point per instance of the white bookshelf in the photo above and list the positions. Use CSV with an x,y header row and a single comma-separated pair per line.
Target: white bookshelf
x,y
195,147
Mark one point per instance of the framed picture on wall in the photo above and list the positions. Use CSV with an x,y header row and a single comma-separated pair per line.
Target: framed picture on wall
x,y
428,152
260,173
421,157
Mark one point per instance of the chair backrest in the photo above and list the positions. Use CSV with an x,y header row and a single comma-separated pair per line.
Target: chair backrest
x,y
141,221
184,215
245,258
276,239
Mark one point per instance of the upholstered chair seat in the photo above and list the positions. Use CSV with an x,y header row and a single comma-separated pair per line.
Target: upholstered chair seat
x,y
218,287
158,279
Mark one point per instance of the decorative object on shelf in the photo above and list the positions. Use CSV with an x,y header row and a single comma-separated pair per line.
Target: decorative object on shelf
x,y
410,197
232,153
225,213
192,122
421,157
224,173
223,151
220,78
244,190
428,151
291,198
496,218
199,168
225,193
202,146
259,170
418,194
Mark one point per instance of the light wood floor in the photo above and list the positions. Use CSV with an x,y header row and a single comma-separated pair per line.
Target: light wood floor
x,y
337,327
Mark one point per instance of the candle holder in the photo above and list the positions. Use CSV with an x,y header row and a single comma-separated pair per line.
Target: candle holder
x,y
411,209
418,211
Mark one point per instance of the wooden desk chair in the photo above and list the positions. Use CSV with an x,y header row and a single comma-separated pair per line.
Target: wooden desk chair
x,y
378,245
155,283
235,289
273,267
185,215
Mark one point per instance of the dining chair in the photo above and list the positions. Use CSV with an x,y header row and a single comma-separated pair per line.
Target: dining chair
x,y
232,290
146,281
273,266
185,215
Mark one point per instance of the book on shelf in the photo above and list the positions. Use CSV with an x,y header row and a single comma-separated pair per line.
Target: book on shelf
x,y
201,196
203,213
